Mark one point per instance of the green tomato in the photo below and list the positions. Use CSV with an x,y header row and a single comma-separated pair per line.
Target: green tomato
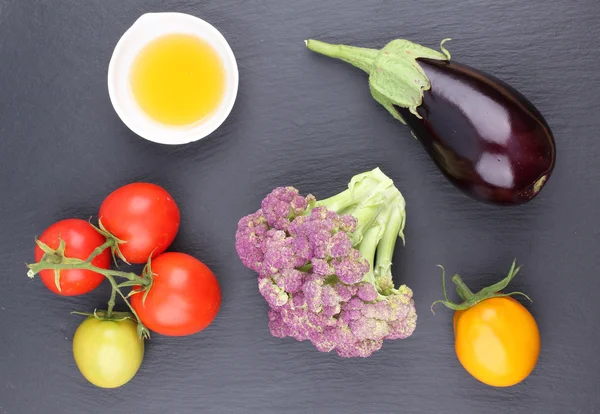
x,y
108,352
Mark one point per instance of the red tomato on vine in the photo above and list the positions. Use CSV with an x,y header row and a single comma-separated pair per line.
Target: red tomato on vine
x,y
142,215
183,299
80,240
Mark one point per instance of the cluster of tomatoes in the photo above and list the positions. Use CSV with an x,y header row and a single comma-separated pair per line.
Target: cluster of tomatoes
x,y
175,295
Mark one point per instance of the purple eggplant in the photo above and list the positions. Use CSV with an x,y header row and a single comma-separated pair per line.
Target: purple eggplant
x,y
484,136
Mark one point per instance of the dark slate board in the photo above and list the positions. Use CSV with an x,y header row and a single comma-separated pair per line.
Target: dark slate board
x,y
307,121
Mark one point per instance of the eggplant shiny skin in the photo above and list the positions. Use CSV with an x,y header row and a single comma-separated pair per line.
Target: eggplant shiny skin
x,y
486,137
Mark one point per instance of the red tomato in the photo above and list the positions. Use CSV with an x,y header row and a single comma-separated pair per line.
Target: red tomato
x,y
184,298
143,215
80,241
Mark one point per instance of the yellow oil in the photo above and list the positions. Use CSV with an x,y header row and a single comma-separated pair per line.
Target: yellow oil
x,y
178,79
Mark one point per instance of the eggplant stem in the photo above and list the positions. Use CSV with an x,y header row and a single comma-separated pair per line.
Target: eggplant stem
x,y
360,57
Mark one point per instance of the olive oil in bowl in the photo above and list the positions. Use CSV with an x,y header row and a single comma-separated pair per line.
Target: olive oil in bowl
x,y
178,79
172,78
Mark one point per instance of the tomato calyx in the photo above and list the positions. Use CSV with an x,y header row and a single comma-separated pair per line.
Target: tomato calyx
x,y
54,256
110,315
470,299
148,276
105,316
114,241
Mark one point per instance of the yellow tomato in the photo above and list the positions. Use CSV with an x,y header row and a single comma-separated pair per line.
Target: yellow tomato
x,y
108,352
497,341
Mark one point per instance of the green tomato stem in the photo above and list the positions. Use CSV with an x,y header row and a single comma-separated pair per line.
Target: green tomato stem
x,y
55,259
142,330
470,299
111,301
84,265
98,250
461,288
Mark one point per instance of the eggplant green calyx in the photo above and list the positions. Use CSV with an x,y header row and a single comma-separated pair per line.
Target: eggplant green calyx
x,y
470,299
395,76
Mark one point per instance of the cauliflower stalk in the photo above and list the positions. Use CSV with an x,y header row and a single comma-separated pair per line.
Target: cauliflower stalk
x,y
324,267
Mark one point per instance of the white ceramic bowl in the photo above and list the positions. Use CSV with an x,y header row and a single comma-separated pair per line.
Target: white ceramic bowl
x,y
146,29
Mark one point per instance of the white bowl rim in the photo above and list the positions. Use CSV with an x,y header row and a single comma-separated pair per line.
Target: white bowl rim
x,y
124,103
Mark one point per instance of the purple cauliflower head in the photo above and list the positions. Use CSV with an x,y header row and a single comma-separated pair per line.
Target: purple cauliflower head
x,y
319,286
